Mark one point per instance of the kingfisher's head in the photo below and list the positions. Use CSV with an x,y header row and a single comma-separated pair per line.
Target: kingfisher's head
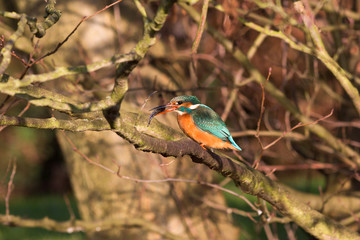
x,y
180,104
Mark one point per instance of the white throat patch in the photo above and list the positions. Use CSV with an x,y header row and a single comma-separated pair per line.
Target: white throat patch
x,y
194,106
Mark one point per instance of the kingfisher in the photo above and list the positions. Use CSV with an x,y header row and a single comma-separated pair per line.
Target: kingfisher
x,y
199,122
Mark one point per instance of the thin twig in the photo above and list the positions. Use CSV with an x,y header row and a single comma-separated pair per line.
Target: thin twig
x,y
73,31
6,173
201,27
233,95
303,166
298,126
9,190
199,32
30,61
68,205
262,109
144,104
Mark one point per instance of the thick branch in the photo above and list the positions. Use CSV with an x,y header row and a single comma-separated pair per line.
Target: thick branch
x,y
132,127
42,97
141,48
78,125
6,51
65,71
127,62
51,17
248,179
99,123
38,29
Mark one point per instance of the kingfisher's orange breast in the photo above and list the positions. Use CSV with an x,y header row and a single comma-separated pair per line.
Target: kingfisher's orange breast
x,y
188,126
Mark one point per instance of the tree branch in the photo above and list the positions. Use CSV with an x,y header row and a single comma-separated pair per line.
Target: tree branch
x,y
127,62
324,56
349,156
76,125
64,71
248,179
142,47
51,17
72,226
6,51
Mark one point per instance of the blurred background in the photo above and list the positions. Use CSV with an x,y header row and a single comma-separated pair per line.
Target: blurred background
x,y
53,181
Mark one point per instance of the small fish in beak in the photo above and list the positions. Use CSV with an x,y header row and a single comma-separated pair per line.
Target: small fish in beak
x,y
160,110
155,112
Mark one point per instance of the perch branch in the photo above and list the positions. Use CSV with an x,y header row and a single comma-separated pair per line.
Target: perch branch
x,y
167,179
248,179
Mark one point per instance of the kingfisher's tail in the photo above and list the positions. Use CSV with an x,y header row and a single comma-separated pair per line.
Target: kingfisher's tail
x,y
234,143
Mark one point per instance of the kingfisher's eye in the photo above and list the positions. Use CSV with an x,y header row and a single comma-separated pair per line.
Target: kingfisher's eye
x,y
179,102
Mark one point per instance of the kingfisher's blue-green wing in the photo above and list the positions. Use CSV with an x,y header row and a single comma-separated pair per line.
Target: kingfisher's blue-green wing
x,y
209,121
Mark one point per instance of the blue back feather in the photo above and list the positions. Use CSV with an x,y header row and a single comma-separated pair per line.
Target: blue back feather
x,y
209,121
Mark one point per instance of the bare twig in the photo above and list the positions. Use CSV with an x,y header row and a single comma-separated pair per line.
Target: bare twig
x,y
144,104
30,61
6,173
9,190
74,30
233,95
201,27
68,205
262,109
304,166
298,126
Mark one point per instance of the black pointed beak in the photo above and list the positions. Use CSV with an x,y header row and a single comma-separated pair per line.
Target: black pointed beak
x,y
160,110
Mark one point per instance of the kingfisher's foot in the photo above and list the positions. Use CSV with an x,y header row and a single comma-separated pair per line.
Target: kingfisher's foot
x,y
203,146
